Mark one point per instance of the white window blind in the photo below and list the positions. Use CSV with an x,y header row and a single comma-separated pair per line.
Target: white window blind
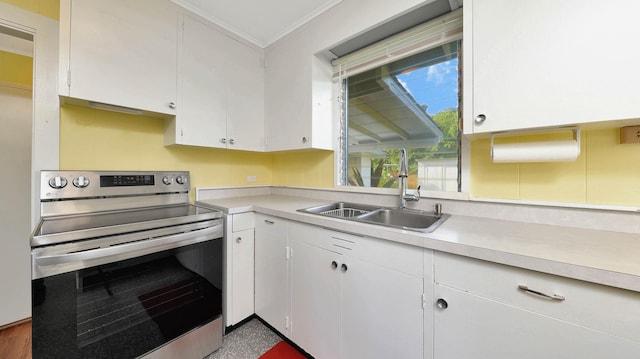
x,y
431,34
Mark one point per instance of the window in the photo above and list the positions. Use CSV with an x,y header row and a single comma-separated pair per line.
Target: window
x,y
410,101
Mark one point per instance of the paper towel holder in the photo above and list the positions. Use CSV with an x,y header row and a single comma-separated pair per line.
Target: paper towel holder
x,y
542,151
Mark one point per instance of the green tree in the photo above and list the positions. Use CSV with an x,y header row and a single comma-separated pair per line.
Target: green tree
x,y
383,175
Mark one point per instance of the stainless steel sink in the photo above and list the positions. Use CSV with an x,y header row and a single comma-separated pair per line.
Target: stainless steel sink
x,y
404,218
341,209
408,219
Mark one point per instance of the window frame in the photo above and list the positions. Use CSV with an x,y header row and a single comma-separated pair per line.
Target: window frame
x,y
363,63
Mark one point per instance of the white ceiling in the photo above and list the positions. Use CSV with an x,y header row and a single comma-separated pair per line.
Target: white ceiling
x,y
259,21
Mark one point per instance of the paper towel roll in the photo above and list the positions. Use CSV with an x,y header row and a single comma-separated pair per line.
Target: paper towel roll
x,y
549,151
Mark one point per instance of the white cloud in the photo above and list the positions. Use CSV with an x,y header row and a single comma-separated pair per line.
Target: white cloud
x,y
437,72
404,84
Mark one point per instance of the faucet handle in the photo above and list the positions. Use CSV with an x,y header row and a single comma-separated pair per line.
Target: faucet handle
x,y
437,209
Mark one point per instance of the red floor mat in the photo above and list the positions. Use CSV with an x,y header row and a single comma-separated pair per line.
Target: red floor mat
x,y
282,350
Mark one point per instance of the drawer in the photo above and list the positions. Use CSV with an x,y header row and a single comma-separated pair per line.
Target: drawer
x,y
397,256
313,235
610,310
270,223
243,221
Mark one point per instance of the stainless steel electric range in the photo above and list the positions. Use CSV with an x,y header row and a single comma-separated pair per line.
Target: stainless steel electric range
x,y
124,267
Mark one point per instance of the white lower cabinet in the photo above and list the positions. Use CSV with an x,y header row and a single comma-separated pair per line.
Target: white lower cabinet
x,y
355,297
271,272
340,295
315,300
483,311
381,312
239,278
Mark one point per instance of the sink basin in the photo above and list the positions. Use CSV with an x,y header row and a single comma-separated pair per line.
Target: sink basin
x,y
408,219
341,209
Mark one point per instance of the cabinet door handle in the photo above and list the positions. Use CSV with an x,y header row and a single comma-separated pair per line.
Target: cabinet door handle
x,y
526,289
239,239
268,221
223,140
334,264
172,105
304,140
480,119
231,141
442,304
344,267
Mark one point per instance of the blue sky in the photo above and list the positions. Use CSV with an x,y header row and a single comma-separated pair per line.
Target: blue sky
x,y
436,85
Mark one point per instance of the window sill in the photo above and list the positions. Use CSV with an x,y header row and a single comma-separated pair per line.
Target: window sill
x,y
463,196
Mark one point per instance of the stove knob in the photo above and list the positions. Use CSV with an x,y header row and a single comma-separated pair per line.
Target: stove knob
x,y
167,180
81,182
57,182
181,179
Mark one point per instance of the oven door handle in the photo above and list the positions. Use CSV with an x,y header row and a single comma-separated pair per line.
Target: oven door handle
x,y
134,249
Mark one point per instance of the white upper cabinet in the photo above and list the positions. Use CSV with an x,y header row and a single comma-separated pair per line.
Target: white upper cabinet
x,y
201,119
245,96
298,107
543,63
120,53
220,90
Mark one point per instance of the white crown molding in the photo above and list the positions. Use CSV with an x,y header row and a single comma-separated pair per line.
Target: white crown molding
x,y
16,45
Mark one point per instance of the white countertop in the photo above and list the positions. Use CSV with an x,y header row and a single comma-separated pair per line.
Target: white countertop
x,y
602,257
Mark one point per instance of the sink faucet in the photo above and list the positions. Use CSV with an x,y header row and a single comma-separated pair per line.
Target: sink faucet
x,y
403,173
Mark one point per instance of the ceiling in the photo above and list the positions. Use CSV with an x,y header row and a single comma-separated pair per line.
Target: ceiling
x,y
258,21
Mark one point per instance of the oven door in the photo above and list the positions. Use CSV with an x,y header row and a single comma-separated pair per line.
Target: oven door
x,y
109,305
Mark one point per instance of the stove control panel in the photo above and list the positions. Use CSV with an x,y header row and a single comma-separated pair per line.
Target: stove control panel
x,y
54,184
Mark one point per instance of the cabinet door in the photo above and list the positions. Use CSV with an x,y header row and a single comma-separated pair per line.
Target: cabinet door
x,y
382,315
201,116
245,96
243,274
315,300
287,101
123,53
476,327
549,63
271,283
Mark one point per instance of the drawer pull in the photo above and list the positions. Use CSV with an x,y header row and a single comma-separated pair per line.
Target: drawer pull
x,y
544,295
268,221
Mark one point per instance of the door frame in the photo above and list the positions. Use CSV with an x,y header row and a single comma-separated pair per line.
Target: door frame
x,y
45,140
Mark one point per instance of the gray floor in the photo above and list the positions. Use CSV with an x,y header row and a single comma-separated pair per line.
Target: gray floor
x,y
249,341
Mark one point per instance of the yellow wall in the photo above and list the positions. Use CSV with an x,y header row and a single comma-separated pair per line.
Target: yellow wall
x,y
303,168
48,8
93,139
606,172
101,140
17,69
